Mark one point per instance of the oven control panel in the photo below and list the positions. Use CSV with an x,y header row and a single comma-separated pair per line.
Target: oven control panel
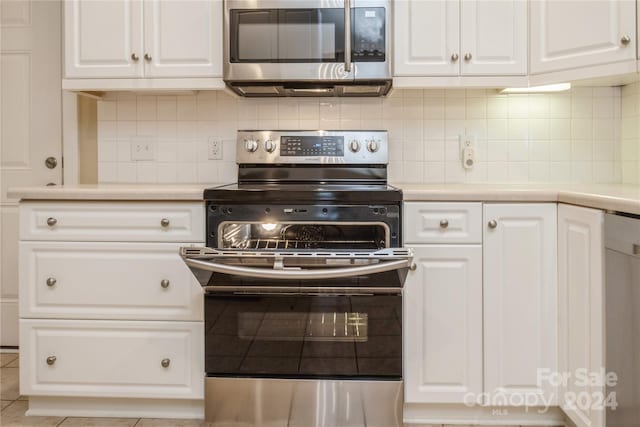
x,y
312,147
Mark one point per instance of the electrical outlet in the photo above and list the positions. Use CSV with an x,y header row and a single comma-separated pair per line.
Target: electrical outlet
x,y
142,148
467,150
214,149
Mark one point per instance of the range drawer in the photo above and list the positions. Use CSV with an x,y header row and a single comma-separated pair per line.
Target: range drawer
x,y
442,223
113,221
86,280
112,358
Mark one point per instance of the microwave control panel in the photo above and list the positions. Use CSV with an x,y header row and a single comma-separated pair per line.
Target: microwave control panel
x,y
368,34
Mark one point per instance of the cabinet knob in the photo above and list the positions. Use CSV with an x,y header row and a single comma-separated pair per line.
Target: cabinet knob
x,y
134,57
625,40
467,56
51,360
147,57
165,222
454,57
413,267
444,223
493,223
165,363
51,281
51,221
164,283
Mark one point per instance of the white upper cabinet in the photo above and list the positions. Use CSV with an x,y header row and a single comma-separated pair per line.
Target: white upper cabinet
x,y
571,34
520,298
131,38
426,37
580,305
494,37
102,38
181,38
449,38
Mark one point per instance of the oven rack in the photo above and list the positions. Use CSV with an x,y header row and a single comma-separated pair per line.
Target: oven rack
x,y
271,244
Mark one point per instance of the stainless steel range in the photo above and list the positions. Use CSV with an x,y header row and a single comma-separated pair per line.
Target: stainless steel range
x,y
303,275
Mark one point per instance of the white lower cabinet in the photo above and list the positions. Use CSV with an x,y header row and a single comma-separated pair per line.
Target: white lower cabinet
x,y
581,307
109,310
112,358
481,320
443,324
520,300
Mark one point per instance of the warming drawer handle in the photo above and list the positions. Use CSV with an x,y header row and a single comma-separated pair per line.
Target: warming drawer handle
x,y
315,274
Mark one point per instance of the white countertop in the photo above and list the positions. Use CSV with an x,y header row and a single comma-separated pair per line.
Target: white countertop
x,y
178,192
614,197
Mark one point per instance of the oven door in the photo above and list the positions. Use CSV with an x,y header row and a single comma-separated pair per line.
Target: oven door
x,y
285,40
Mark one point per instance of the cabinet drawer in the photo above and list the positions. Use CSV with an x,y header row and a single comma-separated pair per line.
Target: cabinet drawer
x,y
443,223
87,280
113,221
112,358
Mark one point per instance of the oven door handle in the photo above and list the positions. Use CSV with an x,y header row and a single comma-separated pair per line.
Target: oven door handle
x,y
309,274
300,290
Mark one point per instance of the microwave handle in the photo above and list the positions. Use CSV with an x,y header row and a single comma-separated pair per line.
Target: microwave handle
x,y
347,36
311,274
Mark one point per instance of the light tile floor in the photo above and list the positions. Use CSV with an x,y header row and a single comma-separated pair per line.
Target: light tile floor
x,y
14,406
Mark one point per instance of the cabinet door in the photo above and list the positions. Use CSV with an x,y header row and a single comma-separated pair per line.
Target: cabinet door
x,y
426,35
570,34
183,38
443,324
580,305
494,37
102,38
520,298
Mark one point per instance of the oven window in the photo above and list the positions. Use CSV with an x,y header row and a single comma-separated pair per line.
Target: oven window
x,y
304,336
287,35
303,235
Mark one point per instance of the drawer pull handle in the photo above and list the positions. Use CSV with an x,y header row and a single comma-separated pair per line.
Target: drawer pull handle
x,y
165,222
493,223
51,282
444,223
165,363
164,283
51,221
51,360
636,249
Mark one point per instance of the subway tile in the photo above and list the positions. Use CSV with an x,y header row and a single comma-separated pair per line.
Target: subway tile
x,y
107,110
167,108
146,108
497,107
588,133
186,107
433,173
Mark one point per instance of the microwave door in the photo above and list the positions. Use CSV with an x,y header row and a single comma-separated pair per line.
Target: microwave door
x,y
288,41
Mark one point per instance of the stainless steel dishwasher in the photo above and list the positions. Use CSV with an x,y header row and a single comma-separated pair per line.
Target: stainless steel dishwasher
x,y
622,296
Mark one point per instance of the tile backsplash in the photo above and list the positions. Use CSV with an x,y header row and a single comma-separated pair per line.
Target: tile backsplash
x,y
569,136
630,134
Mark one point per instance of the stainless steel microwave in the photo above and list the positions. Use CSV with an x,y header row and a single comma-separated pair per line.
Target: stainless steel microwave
x,y
307,48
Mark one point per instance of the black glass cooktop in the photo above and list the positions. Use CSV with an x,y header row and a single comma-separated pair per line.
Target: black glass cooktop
x,y
304,192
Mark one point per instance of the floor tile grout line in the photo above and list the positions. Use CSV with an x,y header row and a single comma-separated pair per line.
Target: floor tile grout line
x,y
63,420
